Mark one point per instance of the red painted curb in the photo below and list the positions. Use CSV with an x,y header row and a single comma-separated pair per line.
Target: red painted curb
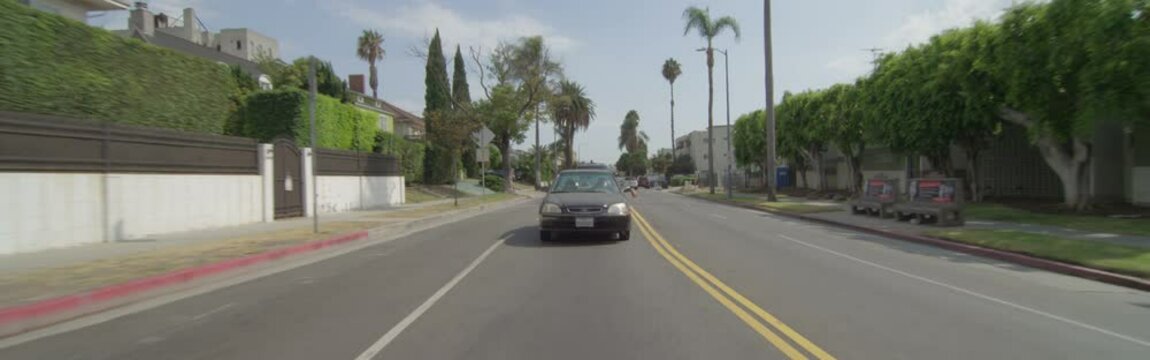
x,y
54,306
1013,257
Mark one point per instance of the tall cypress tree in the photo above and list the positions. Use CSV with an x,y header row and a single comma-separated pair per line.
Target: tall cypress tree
x,y
437,104
461,92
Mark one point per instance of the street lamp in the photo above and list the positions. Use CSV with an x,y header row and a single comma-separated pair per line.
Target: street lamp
x,y
727,81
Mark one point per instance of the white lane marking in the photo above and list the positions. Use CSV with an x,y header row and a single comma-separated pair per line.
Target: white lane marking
x,y
378,346
719,216
975,294
212,311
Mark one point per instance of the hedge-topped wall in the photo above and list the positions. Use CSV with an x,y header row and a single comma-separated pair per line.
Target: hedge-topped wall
x,y
54,65
283,112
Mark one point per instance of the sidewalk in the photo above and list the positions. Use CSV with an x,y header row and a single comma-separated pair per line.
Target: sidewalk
x,y
31,277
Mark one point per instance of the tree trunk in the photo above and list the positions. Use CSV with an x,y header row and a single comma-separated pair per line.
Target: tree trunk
x,y
505,150
710,117
374,80
1069,160
854,163
568,152
672,120
973,179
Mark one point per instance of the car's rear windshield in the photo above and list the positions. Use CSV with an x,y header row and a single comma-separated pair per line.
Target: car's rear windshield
x,y
585,182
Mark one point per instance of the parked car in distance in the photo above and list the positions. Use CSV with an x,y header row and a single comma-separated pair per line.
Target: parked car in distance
x,y
585,201
644,182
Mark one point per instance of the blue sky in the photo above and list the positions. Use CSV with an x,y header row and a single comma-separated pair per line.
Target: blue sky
x,y
614,47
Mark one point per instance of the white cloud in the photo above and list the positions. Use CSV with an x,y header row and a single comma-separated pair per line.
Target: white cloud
x,y
917,28
420,18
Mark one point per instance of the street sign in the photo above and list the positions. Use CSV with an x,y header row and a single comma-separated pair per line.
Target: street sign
x,y
483,137
483,154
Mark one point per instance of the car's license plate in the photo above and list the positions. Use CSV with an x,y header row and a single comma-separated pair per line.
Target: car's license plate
x,y
584,222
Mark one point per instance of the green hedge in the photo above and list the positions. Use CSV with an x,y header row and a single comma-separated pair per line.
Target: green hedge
x,y
268,114
410,154
493,182
53,65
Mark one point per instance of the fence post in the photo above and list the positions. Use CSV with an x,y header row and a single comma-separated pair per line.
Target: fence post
x,y
267,180
309,182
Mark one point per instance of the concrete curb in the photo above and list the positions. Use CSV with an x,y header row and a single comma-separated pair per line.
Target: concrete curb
x,y
1013,257
25,317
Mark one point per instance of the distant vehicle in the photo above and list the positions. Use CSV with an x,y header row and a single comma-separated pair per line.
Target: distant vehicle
x,y
632,184
644,182
584,201
500,173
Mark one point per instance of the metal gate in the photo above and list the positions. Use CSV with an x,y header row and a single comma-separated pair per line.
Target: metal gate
x,y
288,179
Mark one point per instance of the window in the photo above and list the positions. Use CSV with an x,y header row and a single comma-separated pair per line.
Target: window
x,y
239,45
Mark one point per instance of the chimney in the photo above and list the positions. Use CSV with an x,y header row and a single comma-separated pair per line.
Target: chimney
x,y
355,82
191,27
140,19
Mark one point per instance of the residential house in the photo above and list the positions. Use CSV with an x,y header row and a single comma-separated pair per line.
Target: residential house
x,y
76,9
392,118
187,34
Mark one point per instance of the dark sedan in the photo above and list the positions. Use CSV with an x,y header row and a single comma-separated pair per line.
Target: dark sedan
x,y
585,201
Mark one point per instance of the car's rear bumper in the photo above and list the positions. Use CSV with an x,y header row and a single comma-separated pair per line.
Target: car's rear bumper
x,y
603,224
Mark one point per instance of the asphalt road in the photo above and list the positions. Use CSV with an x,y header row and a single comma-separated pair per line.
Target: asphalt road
x,y
703,281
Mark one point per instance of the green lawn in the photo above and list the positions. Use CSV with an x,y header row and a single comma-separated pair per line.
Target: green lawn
x,y
996,212
1118,258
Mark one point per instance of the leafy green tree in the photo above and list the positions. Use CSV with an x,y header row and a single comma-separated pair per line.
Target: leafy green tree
x,y
801,128
630,137
683,165
294,75
1068,66
632,163
707,28
671,72
572,111
749,140
501,113
436,114
661,162
369,48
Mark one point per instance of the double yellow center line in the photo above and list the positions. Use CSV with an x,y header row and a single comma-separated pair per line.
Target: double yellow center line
x,y
729,297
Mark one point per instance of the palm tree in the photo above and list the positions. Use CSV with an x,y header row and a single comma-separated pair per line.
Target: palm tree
x,y
700,20
370,49
671,71
630,138
572,111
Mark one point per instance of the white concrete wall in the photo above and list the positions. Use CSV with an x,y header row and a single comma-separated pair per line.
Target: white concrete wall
x,y
74,10
349,193
1141,185
47,210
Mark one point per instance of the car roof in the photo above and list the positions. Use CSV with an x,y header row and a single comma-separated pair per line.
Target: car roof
x,y
593,170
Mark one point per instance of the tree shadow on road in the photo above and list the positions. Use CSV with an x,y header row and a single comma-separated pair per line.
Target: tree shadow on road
x,y
528,236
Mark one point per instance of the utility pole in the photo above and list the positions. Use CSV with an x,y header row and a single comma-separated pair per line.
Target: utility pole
x,y
311,90
770,170
727,80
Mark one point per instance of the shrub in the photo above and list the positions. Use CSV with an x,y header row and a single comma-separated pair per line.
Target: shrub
x,y
410,154
54,65
268,114
678,180
493,182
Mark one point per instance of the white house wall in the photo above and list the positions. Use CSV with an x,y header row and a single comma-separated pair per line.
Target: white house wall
x,y
1141,185
349,193
48,210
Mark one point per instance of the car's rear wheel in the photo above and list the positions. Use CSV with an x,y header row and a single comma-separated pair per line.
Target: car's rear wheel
x,y
625,235
544,235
